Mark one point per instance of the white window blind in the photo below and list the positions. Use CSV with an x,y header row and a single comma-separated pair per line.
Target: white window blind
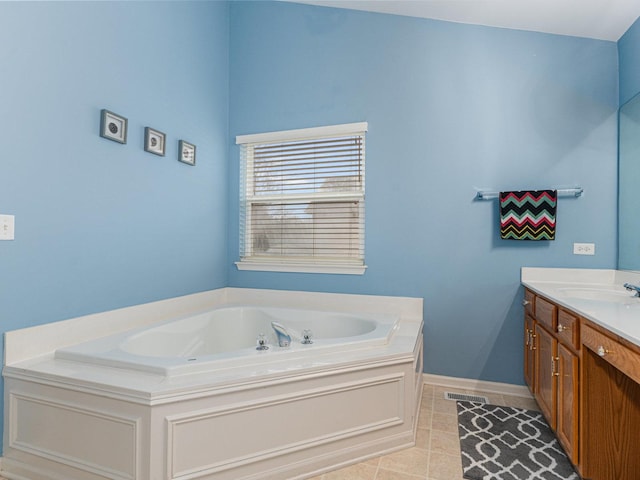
x,y
302,200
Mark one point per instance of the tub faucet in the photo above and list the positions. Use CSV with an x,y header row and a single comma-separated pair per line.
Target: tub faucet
x,y
632,288
284,338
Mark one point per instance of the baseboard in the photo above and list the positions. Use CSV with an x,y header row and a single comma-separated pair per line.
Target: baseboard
x,y
471,384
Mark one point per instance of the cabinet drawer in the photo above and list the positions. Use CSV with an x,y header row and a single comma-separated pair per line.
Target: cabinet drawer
x,y
546,313
528,303
568,329
621,357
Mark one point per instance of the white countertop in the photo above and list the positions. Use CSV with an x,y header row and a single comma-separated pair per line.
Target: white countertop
x,y
597,295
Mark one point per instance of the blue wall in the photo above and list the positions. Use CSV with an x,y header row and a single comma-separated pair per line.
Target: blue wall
x,y
450,107
100,225
629,62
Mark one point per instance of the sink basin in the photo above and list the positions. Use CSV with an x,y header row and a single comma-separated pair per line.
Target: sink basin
x,y
600,294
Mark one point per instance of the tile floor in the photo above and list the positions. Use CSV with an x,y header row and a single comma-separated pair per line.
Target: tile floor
x,y
436,455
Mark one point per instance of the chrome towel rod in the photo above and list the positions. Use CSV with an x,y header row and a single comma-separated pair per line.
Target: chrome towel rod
x,y
562,192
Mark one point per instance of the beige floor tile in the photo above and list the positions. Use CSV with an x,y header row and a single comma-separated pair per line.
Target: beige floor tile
x,y
359,471
391,475
426,403
444,406
414,461
423,437
521,402
444,467
444,422
494,398
424,418
445,442
427,389
373,461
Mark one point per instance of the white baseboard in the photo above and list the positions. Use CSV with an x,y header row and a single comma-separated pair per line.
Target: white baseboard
x,y
482,385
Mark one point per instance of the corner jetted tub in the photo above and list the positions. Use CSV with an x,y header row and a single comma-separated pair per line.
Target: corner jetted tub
x,y
229,336
177,389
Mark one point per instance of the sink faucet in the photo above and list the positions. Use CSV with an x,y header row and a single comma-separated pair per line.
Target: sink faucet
x,y
284,338
632,288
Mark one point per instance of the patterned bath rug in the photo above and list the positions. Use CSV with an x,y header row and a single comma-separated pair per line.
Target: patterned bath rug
x,y
506,443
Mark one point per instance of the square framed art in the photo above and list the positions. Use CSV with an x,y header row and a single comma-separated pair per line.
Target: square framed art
x,y
113,126
154,141
187,153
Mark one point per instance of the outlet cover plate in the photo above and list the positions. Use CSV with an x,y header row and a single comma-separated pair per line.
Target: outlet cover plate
x,y
584,248
7,227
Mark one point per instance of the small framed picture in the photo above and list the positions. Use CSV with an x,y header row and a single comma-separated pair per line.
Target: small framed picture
x,y
154,141
113,126
187,153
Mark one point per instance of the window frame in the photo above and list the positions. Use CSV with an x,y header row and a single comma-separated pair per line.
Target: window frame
x,y
309,264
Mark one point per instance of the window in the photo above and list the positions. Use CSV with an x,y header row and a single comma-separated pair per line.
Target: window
x,y
302,200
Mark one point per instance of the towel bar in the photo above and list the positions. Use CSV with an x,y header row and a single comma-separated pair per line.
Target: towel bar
x,y
562,192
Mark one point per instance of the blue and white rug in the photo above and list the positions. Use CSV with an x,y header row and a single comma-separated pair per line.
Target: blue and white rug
x,y
506,443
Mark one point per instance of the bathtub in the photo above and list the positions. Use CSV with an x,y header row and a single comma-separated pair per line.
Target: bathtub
x,y
176,390
228,337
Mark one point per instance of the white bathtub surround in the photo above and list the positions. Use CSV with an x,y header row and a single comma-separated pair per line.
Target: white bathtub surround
x,y
289,416
597,295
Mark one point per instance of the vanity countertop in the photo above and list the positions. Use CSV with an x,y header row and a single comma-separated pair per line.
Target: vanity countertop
x,y
597,295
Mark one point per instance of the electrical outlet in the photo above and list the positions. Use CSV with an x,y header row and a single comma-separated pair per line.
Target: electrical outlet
x,y
7,227
584,248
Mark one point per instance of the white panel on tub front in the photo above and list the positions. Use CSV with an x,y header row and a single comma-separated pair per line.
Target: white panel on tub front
x,y
97,442
223,439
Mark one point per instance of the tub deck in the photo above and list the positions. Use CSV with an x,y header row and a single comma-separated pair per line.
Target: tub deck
x,y
286,419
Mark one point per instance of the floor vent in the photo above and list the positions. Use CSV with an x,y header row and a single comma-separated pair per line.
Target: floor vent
x,y
465,398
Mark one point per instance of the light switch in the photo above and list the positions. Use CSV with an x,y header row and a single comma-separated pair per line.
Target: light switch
x,y
7,227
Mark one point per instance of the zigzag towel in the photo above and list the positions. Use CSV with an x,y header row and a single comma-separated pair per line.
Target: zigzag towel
x,y
528,215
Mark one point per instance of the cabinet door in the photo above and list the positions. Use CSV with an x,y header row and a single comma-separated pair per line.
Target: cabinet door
x,y
529,352
567,429
545,374
568,329
529,302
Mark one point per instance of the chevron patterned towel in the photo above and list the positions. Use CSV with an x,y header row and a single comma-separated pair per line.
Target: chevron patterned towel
x,y
528,215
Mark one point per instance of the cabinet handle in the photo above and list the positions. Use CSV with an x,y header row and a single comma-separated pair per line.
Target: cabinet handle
x,y
554,370
562,328
602,351
525,303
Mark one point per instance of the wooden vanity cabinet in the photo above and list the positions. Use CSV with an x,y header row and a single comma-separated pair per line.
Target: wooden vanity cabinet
x,y
529,352
610,382
546,392
552,367
567,418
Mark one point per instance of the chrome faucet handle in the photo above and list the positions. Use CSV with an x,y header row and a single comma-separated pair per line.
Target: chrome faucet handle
x,y
306,337
262,342
633,288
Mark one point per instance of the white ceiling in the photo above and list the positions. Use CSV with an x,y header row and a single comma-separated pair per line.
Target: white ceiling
x,y
601,19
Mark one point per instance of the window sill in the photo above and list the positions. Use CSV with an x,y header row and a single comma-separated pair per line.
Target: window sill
x,y
302,268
